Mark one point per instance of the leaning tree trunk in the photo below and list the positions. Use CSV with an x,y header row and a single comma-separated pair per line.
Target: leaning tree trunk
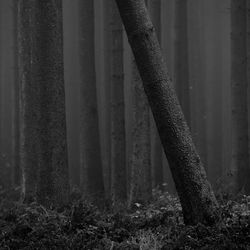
x,y
118,145
91,164
29,104
240,158
197,199
47,74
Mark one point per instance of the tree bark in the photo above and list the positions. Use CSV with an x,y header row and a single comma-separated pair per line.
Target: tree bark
x,y
91,163
29,104
118,145
48,81
240,158
197,199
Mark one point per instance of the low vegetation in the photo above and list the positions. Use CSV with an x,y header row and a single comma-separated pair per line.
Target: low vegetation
x,y
158,225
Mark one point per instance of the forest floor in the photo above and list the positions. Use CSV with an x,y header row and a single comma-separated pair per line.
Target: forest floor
x,y
158,225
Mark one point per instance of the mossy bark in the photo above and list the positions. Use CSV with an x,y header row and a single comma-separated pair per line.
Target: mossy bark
x,y
91,162
197,199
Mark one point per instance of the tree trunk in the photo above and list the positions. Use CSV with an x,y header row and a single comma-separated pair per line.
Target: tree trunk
x,y
181,57
197,199
91,163
240,158
154,7
48,81
248,74
140,185
29,104
118,145
15,114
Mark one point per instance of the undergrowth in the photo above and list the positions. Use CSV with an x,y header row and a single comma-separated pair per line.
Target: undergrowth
x,y
158,225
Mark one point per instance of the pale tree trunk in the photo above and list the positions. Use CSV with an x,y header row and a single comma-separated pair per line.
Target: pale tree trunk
x,y
118,145
154,7
15,114
181,57
91,164
48,80
197,199
240,158
29,104
140,184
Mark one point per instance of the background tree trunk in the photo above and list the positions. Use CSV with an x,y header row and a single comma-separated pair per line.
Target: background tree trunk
x,y
154,7
91,164
29,104
118,145
140,184
16,100
240,158
196,196
47,71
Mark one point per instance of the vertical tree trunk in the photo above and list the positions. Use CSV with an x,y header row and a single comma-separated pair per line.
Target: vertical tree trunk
x,y
181,57
47,74
248,73
240,158
196,196
197,77
118,145
107,81
16,99
91,163
29,104
154,7
140,185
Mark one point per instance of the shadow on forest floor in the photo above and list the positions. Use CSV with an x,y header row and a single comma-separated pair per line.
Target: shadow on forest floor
x,y
158,225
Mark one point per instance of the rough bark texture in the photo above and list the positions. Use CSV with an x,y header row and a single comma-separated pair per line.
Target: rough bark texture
x,y
154,7
91,164
118,145
29,104
248,74
47,71
198,201
16,106
140,184
181,57
240,158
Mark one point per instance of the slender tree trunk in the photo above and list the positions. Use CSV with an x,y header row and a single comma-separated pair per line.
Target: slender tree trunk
x,y
181,57
15,114
154,7
248,73
107,81
197,77
91,163
198,201
118,145
140,185
29,104
240,158
47,74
